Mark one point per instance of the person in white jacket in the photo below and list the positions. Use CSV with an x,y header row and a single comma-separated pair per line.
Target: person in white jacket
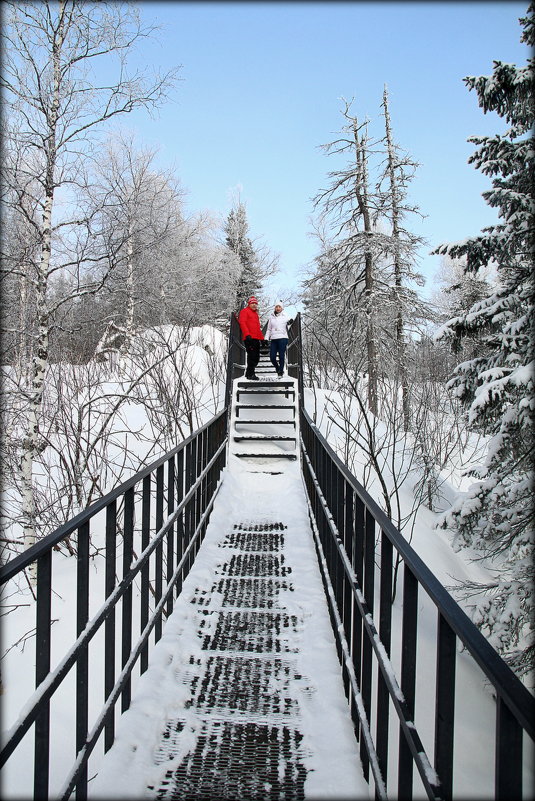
x,y
277,334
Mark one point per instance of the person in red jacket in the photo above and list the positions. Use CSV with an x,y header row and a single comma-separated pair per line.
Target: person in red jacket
x,y
252,336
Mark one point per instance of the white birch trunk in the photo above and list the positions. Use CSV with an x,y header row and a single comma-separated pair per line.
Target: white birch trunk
x,y
40,355
129,322
39,364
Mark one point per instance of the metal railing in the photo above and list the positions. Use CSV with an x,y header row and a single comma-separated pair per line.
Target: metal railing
x,y
358,548
151,528
295,353
235,357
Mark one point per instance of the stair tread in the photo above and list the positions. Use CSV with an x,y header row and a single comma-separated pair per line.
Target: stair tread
x,y
270,390
281,382
264,422
265,406
280,455
263,438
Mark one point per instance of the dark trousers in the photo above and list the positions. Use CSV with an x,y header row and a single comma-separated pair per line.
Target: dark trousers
x,y
278,347
252,346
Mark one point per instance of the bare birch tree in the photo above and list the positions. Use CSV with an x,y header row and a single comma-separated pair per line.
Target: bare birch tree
x,y
141,209
56,106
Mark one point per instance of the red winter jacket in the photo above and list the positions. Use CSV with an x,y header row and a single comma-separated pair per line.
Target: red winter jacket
x,y
250,323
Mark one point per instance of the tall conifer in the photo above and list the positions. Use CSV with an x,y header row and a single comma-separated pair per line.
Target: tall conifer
x,y
238,241
496,516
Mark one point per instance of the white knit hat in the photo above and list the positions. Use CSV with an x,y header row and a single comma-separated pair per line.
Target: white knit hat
x,y
279,303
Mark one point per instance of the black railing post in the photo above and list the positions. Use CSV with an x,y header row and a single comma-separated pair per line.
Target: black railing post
x,y
170,532
348,594
158,557
180,518
445,705
357,555
508,775
145,579
368,591
109,626
42,669
409,638
385,632
128,550
82,664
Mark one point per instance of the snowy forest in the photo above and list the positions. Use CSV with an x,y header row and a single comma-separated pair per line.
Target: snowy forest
x,y
115,308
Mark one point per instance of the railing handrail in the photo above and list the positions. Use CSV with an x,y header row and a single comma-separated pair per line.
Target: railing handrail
x,y
23,560
516,696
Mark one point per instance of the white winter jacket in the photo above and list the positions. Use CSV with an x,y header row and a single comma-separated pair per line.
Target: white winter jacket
x,y
276,327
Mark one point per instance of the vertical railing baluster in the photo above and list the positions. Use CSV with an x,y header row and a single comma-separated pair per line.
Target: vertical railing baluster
x,y
356,561
331,478
171,531
445,704
340,528
508,775
42,668
82,660
197,512
128,551
109,626
408,676
204,483
385,635
336,570
190,517
145,577
368,591
348,594
179,478
158,554
188,478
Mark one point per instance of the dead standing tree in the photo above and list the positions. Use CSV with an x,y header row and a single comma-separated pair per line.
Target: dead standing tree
x,y
354,245
398,172
56,107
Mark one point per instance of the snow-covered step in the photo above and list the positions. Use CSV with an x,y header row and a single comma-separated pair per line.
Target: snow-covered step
x,y
273,388
239,406
266,386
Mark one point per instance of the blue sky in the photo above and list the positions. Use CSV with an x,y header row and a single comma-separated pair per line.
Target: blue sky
x,y
260,91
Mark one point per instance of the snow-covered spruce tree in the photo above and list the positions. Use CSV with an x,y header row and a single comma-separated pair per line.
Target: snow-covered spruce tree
x,y
496,516
237,238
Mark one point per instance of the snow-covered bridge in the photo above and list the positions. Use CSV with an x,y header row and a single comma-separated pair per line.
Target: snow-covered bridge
x,y
307,651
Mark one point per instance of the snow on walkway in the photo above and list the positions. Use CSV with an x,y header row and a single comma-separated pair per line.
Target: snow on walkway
x,y
243,698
